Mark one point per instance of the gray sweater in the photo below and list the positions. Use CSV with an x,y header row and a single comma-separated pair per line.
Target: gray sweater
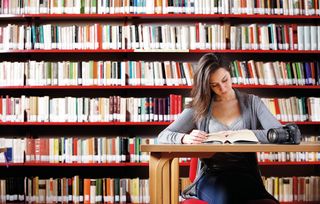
x,y
255,116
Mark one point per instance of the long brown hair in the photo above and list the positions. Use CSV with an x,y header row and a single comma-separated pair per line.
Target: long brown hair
x,y
201,92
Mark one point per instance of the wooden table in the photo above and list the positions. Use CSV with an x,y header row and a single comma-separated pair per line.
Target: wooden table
x,y
3,149
164,163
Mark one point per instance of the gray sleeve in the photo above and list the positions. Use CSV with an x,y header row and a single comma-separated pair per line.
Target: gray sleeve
x,y
266,119
176,130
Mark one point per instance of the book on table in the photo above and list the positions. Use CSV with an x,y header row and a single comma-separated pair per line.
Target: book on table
x,y
238,136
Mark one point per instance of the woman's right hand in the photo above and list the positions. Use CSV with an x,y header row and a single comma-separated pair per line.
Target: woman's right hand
x,y
195,137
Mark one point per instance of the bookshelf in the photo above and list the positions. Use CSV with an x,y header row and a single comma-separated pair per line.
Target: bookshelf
x,y
128,128
124,164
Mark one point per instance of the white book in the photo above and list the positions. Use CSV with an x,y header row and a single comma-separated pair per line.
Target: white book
x,y
175,77
268,73
300,30
277,73
134,44
172,37
192,32
264,44
122,109
318,37
206,6
313,37
233,37
123,73
307,37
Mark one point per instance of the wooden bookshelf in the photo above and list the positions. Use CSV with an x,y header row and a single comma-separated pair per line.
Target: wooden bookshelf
x,y
157,16
124,164
83,87
140,54
169,51
115,123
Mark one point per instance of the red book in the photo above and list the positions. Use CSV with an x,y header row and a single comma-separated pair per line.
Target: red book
x,y
37,148
251,34
179,104
277,107
197,34
295,188
179,72
286,35
99,30
313,73
1,108
44,149
171,112
86,190
301,188
250,70
30,150
75,148
239,69
295,36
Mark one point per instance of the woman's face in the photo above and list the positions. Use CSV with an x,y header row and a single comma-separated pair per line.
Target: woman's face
x,y
220,82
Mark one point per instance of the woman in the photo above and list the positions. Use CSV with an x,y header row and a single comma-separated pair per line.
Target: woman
x,y
217,107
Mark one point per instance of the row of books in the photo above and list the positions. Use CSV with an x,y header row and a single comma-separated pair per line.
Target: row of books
x,y
171,73
83,109
275,73
292,156
289,189
124,190
121,109
74,190
103,73
161,36
280,7
294,109
288,156
110,149
75,149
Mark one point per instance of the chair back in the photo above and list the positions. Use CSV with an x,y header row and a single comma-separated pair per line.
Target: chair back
x,y
193,169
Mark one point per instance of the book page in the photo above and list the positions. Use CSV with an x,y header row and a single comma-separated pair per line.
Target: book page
x,y
239,136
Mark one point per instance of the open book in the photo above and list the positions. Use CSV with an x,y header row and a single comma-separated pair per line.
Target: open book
x,y
238,136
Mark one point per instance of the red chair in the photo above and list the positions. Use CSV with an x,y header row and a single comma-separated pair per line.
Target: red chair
x,y
192,176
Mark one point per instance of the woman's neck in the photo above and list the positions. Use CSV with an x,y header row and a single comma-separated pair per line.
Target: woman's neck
x,y
227,97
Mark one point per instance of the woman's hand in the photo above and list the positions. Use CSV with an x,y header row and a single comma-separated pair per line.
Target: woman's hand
x,y
195,137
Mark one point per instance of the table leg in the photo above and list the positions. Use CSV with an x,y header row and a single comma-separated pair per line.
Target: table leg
x,y
159,174
175,181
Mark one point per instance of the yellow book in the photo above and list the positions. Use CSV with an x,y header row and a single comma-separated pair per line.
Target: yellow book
x,y
276,187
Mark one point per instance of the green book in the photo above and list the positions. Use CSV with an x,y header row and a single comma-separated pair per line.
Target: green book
x,y
298,70
82,6
289,73
116,190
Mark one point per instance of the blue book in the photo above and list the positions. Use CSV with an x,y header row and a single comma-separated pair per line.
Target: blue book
x,y
308,75
318,73
8,155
